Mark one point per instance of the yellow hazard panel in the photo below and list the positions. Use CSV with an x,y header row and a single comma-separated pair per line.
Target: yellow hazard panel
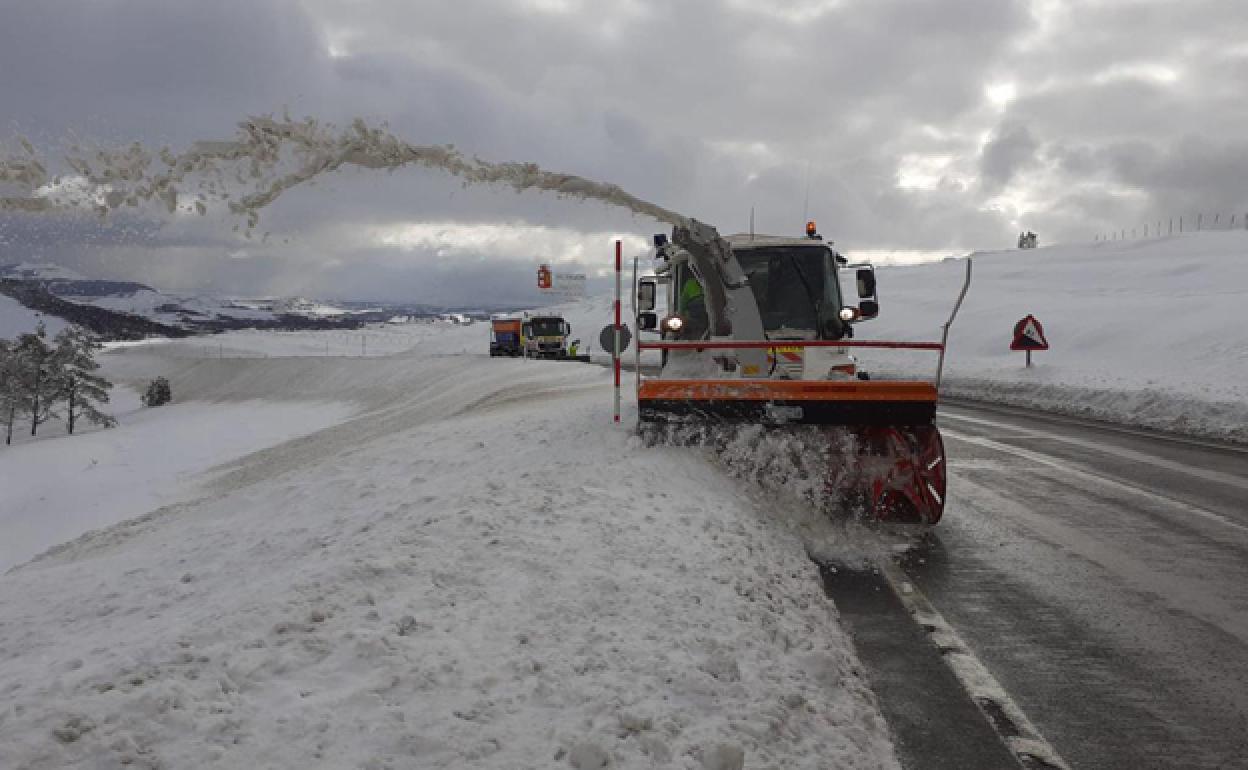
x,y
798,349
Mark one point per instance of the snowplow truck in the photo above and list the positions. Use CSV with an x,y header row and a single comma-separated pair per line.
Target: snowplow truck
x,y
546,336
505,337
756,332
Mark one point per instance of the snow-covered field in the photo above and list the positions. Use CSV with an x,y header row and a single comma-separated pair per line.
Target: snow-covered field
x,y
1149,332
476,569
52,490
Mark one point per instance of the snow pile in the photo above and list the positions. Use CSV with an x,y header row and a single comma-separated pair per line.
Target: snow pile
x,y
1149,333
477,570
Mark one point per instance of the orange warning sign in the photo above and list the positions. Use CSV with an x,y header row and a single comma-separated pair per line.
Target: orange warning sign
x,y
1029,335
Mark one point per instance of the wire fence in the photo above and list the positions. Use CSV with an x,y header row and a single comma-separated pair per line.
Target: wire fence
x,y
1176,225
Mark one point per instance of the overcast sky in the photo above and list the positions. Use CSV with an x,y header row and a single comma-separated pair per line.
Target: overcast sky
x,y
921,128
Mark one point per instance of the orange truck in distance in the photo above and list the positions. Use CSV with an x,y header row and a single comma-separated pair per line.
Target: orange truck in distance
x,y
505,337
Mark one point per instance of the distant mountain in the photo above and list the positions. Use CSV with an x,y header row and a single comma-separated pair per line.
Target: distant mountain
x,y
39,271
108,324
126,309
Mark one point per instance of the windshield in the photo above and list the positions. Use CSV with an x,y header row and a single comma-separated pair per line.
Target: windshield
x,y
547,327
789,285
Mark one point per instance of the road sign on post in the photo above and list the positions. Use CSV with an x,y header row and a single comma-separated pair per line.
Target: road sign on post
x,y
1029,336
606,338
560,284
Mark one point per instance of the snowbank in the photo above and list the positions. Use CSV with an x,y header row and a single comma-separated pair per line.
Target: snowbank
x,y
1149,333
478,571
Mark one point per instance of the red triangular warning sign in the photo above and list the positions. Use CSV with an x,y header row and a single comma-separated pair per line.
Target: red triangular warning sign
x,y
1029,335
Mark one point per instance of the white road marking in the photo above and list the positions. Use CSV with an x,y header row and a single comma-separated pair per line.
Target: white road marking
x,y
1092,423
1126,454
1052,462
976,679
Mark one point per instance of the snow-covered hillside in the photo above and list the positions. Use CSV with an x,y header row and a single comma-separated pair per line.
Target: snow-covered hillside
x,y
190,310
476,569
1149,332
16,318
40,271
180,310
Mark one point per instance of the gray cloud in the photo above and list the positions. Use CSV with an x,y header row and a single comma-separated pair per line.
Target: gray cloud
x,y
1104,113
1010,150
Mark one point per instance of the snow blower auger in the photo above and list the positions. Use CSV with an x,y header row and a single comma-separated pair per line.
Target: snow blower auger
x,y
755,333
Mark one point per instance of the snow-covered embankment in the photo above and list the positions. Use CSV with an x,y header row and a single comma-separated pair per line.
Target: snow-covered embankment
x,y
1150,332
478,570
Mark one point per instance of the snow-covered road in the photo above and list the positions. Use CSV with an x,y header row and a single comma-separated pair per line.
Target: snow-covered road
x,y
476,570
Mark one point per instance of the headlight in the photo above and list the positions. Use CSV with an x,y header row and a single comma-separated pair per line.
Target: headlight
x,y
848,314
673,323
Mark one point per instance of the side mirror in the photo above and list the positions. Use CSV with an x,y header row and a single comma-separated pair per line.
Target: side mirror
x,y
866,282
567,328
648,322
868,308
647,290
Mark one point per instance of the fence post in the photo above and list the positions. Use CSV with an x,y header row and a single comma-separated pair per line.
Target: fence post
x,y
1171,226
1215,221
1200,222
1180,224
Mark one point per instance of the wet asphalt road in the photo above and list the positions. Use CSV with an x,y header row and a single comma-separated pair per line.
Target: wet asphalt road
x,y
1102,577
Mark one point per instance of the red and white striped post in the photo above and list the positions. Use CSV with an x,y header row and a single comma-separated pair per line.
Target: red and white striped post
x,y
615,353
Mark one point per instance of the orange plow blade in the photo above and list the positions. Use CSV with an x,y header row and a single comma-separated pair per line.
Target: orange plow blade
x,y
893,469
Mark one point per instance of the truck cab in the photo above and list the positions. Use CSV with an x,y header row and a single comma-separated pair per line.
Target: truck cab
x,y
796,288
545,336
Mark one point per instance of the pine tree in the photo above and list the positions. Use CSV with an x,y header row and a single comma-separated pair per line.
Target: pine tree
x,y
79,387
157,393
12,393
39,376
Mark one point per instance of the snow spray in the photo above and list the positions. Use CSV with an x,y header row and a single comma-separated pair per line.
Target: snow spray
x,y
265,158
